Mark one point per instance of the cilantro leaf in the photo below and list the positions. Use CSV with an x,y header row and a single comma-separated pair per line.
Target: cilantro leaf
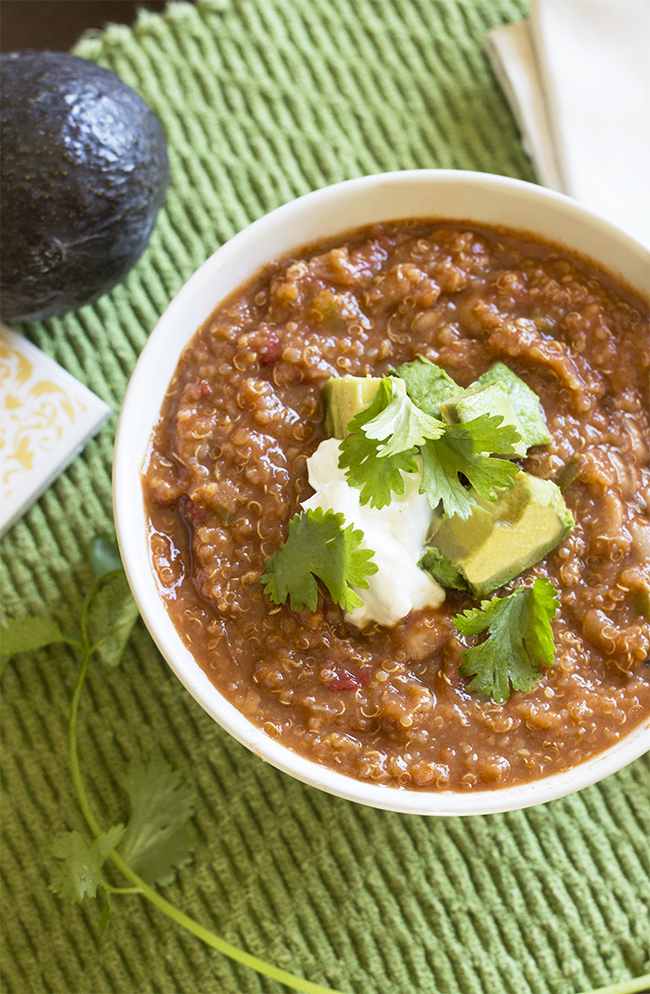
x,y
110,616
25,634
105,555
376,478
490,434
440,481
106,916
318,545
402,423
426,384
157,840
446,450
520,640
79,871
463,449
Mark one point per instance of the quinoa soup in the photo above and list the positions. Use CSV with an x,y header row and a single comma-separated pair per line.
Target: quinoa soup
x,y
227,470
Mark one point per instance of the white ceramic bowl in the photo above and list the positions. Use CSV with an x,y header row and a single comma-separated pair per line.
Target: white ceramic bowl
x,y
479,197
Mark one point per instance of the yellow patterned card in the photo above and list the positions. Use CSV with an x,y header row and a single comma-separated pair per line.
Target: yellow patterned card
x,y
46,418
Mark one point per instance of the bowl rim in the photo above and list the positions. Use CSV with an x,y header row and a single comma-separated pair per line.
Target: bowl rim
x,y
163,348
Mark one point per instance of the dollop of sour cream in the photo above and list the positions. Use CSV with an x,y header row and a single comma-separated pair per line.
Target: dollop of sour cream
x,y
396,533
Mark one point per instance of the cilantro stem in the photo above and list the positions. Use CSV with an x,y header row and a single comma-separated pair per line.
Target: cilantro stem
x,y
75,643
73,750
636,986
215,941
139,885
120,890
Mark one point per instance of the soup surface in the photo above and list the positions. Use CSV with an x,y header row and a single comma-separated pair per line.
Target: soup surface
x,y
227,471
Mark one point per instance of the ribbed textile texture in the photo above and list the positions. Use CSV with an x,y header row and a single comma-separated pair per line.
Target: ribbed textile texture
x,y
263,100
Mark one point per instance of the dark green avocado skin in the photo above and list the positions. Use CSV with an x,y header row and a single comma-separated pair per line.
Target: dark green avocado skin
x,y
84,174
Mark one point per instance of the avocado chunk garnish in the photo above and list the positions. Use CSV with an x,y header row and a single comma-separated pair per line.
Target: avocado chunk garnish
x,y
344,397
495,540
524,401
500,540
489,398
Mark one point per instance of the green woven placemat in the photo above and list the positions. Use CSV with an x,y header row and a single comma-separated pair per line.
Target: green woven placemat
x,y
263,100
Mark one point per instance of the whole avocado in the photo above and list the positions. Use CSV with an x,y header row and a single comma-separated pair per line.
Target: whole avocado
x,y
84,174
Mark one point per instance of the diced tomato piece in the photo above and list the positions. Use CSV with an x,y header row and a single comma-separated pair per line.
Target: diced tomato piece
x,y
344,680
270,351
192,510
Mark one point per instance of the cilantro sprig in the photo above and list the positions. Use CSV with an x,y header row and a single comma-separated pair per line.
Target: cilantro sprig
x,y
156,840
79,870
384,440
376,477
400,423
319,545
160,804
520,640
466,449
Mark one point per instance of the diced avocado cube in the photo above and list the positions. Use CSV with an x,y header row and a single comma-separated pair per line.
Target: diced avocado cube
x,y
499,541
446,569
525,402
427,384
480,399
344,397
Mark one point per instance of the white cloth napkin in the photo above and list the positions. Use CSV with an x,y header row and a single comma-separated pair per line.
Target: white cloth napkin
x,y
46,418
577,76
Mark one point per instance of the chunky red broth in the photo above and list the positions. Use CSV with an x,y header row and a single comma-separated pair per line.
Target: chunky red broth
x,y
227,471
